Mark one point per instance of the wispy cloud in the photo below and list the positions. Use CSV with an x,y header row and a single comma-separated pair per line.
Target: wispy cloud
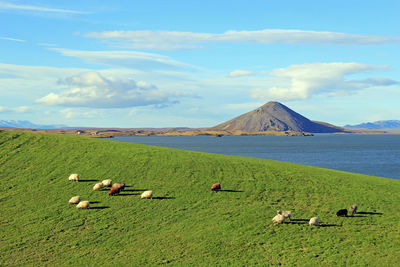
x,y
20,109
12,39
169,40
303,81
126,59
10,6
240,73
92,89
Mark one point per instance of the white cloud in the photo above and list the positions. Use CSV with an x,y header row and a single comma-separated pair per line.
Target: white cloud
x,y
92,89
69,113
126,59
4,5
239,73
12,39
20,109
303,81
168,40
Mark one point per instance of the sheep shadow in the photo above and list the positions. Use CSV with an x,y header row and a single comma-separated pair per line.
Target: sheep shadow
x,y
135,190
329,225
127,194
163,197
87,181
295,222
369,213
228,190
99,208
352,216
94,202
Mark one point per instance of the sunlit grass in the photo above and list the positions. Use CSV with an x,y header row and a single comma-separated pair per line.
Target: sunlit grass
x,y
185,223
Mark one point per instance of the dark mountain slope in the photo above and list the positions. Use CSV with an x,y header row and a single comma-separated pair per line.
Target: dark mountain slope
x,y
275,116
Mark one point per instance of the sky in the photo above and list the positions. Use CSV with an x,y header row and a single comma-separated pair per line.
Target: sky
x,y
197,63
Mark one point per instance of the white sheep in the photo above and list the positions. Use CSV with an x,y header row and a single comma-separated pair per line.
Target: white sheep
x,y
147,194
98,186
353,209
107,182
73,177
74,200
83,205
286,214
279,218
313,221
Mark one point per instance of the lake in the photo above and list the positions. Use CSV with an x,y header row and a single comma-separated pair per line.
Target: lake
x,y
377,155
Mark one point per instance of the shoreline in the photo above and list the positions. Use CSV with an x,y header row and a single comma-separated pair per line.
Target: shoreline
x,y
111,132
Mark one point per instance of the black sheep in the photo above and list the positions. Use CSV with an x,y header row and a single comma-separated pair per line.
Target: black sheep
x,y
342,212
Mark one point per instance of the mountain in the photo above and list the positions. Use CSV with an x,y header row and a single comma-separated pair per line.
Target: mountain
x,y
377,125
27,124
275,116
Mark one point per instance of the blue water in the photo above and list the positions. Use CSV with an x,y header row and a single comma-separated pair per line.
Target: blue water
x,y
377,155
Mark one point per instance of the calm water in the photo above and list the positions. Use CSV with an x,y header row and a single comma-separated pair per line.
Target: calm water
x,y
377,155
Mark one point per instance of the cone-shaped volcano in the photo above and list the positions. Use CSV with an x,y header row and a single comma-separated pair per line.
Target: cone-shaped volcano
x,y
275,116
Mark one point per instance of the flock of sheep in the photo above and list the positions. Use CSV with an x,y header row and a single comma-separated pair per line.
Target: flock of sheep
x,y
115,188
283,215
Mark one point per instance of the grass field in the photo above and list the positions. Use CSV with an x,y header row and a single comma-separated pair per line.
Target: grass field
x,y
185,224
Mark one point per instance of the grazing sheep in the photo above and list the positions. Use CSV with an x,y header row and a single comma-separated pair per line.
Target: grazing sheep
x,y
313,221
83,205
147,194
98,186
73,177
278,219
120,186
342,212
113,191
286,214
107,183
353,209
74,200
216,187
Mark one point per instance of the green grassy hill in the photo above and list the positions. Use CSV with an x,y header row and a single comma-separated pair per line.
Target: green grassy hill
x,y
185,224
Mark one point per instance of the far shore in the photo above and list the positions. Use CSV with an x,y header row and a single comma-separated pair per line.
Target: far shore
x,y
111,132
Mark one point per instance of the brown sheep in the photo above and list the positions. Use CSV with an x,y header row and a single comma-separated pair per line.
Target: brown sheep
x,y
216,187
114,191
120,186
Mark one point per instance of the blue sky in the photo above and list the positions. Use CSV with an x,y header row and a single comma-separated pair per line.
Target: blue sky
x,y
177,63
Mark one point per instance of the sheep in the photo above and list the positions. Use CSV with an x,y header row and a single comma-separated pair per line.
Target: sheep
x,y
286,214
353,209
113,191
107,183
313,221
147,194
120,186
98,186
278,219
74,200
216,187
342,212
83,205
73,177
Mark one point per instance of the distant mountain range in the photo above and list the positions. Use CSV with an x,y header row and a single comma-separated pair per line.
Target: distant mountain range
x,y
274,116
377,125
27,124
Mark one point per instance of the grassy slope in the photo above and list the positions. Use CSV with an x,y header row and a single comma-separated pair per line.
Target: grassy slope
x,y
190,225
